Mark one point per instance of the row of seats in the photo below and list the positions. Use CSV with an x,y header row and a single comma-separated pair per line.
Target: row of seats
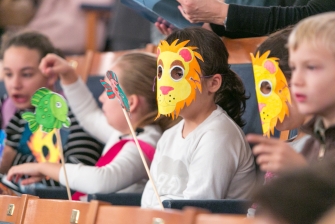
x,y
28,209
222,206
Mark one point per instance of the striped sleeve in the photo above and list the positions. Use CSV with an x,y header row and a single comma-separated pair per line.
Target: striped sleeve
x,y
14,131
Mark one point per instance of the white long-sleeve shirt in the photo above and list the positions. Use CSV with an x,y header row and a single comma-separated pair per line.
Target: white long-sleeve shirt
x,y
125,170
213,162
87,111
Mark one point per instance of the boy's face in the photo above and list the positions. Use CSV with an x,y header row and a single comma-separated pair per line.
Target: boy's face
x,y
21,75
313,80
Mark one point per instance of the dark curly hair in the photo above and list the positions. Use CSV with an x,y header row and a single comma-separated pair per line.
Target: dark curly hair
x,y
29,39
231,95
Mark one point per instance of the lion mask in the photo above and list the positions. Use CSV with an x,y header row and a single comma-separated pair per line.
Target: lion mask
x,y
272,91
177,77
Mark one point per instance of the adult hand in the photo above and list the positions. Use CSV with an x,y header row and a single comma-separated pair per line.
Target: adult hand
x,y
164,27
274,155
30,169
210,11
52,65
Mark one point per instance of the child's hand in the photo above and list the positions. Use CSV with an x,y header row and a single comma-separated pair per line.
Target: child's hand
x,y
30,169
275,155
52,65
164,27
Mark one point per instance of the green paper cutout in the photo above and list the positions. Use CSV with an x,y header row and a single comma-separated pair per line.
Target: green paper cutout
x,y
50,111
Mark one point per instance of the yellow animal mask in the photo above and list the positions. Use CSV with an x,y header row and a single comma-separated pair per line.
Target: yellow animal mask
x,y
178,77
42,146
272,91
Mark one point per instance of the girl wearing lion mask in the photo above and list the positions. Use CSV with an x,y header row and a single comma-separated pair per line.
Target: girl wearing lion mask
x,y
205,156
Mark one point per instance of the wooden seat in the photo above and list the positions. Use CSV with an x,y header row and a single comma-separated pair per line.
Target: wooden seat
x,y
41,211
137,215
226,219
12,208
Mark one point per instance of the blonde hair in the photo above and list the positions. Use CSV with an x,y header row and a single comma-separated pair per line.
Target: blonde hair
x,y
138,73
315,30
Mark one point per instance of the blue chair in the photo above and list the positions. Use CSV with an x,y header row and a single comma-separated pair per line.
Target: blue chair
x,y
251,114
49,192
225,206
129,199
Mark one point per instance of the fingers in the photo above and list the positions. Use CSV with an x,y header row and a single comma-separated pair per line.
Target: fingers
x,y
186,16
52,64
47,63
31,180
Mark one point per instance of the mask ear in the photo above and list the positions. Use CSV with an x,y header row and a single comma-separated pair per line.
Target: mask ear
x,y
270,66
186,54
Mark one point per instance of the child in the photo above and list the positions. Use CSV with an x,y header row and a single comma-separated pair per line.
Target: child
x,y
274,155
301,196
312,61
205,156
136,72
21,56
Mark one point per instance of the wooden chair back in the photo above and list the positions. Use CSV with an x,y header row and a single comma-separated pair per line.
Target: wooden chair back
x,y
226,219
12,208
137,215
240,49
41,211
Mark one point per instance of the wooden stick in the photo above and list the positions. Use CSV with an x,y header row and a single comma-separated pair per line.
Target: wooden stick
x,y
142,157
60,147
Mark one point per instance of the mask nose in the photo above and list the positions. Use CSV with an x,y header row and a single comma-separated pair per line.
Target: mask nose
x,y
166,89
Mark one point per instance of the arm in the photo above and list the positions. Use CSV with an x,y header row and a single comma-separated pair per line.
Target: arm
x,y
80,147
124,170
36,171
249,21
86,110
79,97
265,20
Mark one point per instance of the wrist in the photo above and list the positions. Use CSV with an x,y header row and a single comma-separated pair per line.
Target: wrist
x,y
68,78
225,8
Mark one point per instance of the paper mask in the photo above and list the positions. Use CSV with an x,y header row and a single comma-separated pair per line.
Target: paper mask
x,y
44,147
273,94
178,77
50,111
115,90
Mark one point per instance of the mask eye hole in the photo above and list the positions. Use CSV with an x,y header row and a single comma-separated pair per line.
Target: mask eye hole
x,y
265,87
159,71
58,104
177,73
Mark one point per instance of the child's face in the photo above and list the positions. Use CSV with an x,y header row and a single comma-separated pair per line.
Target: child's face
x,y
294,120
112,108
313,79
21,75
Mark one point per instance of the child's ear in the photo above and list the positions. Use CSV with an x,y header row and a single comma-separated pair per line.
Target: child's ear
x,y
133,101
214,83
